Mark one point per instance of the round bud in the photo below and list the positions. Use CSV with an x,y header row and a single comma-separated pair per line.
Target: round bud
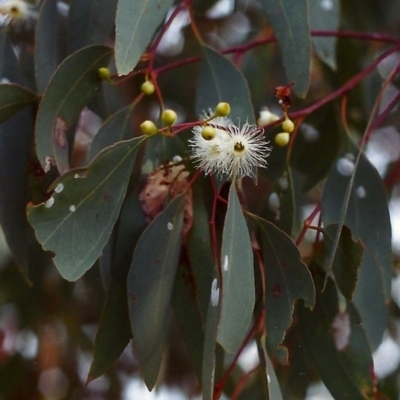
x,y
222,109
147,87
104,74
282,139
288,125
208,133
169,117
148,127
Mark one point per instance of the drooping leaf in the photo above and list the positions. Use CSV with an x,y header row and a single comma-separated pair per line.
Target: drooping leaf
x,y
220,80
238,293
190,320
49,38
69,90
325,15
15,149
274,391
136,24
90,22
13,98
200,251
287,280
118,127
289,19
210,342
337,346
114,331
150,283
360,203
77,220
347,261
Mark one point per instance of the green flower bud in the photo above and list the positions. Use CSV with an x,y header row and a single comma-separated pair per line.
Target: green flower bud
x,y
148,87
222,109
148,127
282,139
169,117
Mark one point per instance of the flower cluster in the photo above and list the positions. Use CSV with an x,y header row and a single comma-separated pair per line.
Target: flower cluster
x,y
221,147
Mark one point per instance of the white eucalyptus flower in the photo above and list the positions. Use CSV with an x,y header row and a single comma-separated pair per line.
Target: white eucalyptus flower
x,y
231,150
17,12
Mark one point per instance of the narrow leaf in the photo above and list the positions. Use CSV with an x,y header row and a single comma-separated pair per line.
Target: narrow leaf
x,y
354,196
136,24
13,98
150,282
289,19
69,90
337,346
118,127
49,38
238,293
220,80
77,220
287,280
347,261
325,15
210,342
90,22
114,330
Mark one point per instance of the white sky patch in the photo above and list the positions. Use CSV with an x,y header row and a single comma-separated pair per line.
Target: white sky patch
x,y
221,9
383,148
386,357
249,359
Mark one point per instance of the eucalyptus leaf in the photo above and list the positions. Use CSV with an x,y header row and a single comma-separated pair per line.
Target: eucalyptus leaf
x,y
76,221
289,19
238,293
325,16
136,24
69,90
150,283
354,196
13,98
287,280
221,81
337,346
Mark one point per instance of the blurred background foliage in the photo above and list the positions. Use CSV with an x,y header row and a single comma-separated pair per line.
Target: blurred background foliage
x,y
87,260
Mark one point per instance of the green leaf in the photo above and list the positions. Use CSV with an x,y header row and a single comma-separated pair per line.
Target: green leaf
x,y
13,98
118,127
325,15
90,22
86,205
220,80
238,293
360,203
210,342
337,346
274,391
114,331
200,250
188,314
49,38
136,24
15,150
287,280
289,18
150,283
69,90
347,261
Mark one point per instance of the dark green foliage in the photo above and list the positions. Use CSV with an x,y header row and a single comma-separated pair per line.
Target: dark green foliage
x,y
133,261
